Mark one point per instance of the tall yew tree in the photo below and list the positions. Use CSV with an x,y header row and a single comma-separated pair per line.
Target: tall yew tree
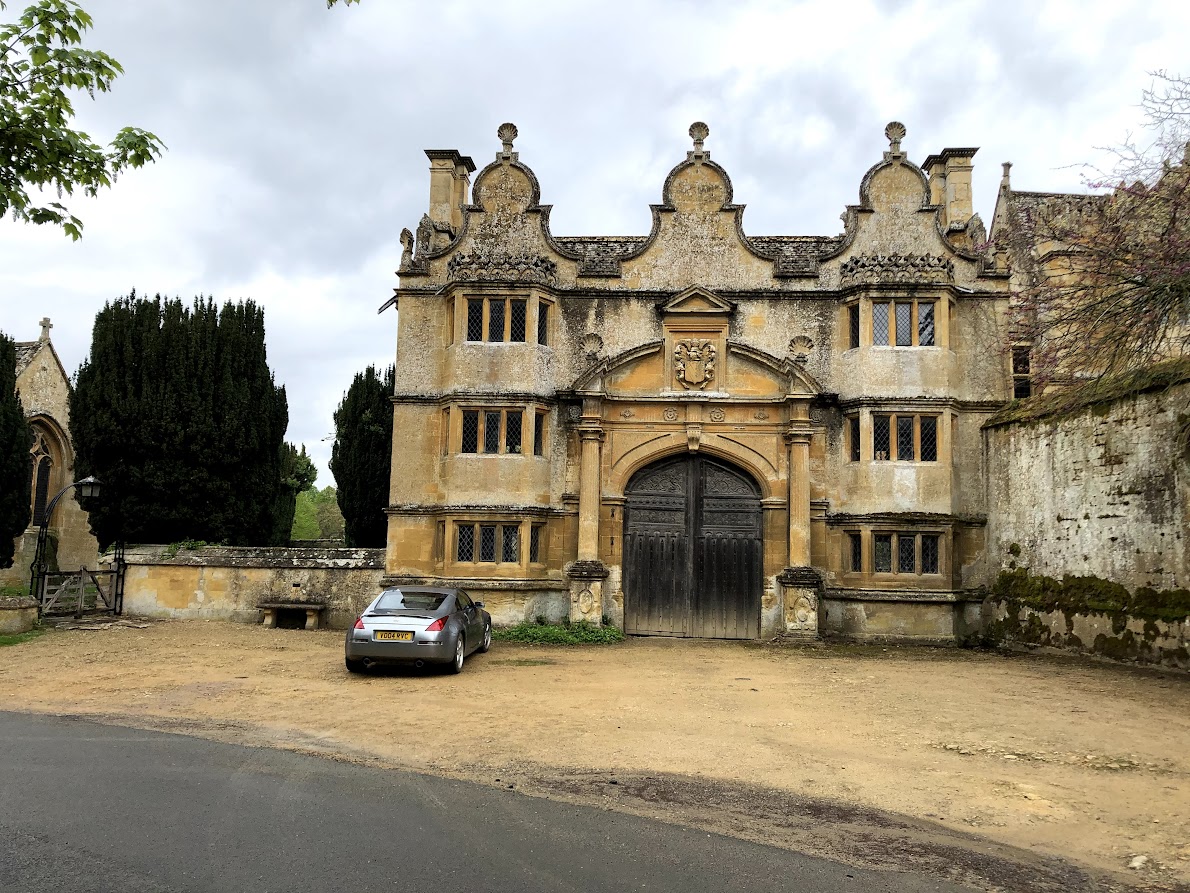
x,y
176,412
362,454
15,470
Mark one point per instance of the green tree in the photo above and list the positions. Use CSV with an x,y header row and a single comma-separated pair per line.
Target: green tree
x,y
317,515
176,411
361,456
42,61
15,440
297,476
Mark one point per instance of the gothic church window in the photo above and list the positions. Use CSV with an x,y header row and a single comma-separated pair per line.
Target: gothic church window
x,y
42,465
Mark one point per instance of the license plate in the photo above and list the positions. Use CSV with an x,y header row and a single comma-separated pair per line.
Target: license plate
x,y
388,635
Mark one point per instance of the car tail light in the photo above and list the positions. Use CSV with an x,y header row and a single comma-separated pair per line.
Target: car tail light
x,y
359,623
437,626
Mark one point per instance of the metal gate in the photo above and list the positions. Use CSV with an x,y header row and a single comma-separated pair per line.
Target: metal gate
x,y
692,551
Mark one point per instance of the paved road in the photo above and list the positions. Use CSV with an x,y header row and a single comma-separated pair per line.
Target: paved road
x,y
86,808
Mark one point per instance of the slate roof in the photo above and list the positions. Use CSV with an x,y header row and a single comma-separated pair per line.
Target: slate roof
x,y
26,350
795,255
601,254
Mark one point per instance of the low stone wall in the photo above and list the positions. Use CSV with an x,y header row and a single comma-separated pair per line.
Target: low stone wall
x,y
926,618
17,615
227,583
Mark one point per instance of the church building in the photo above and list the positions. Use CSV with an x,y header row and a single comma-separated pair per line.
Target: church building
x,y
700,432
44,390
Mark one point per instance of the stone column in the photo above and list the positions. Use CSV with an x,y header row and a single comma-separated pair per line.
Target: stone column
x,y
588,573
588,494
800,583
798,438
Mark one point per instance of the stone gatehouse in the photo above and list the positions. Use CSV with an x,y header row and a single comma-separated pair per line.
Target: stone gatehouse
x,y
700,432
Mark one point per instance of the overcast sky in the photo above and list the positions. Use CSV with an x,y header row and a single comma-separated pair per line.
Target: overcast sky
x,y
295,136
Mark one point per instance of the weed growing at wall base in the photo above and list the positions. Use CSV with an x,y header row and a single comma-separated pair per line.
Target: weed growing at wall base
x,y
20,638
565,633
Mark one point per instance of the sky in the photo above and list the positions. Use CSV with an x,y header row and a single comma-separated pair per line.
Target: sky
x,y
295,136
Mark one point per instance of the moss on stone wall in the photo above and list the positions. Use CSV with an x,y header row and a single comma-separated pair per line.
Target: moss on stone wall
x,y
1090,595
1094,395
1027,599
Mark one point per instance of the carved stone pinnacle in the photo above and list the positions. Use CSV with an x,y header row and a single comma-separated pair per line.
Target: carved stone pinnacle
x,y
895,132
699,132
507,133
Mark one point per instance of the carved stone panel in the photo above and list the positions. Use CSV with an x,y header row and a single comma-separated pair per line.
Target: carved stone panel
x,y
694,362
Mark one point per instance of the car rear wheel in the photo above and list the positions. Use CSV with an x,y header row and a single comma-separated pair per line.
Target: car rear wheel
x,y
354,665
487,640
456,665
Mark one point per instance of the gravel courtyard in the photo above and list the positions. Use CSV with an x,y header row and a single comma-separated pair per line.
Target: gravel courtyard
x,y
1023,757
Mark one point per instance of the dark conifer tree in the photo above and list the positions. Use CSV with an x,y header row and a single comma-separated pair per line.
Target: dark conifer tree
x,y
362,455
15,470
176,412
297,475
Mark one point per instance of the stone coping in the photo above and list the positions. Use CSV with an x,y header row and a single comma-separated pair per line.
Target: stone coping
x,y
17,602
302,557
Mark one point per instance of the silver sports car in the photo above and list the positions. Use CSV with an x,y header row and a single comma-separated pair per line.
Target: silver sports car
x,y
418,625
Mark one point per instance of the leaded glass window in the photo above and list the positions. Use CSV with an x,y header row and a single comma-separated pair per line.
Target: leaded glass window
x,y
510,543
491,431
925,324
929,438
535,543
905,438
882,553
512,432
470,431
495,320
474,319
538,433
880,323
857,552
516,320
929,553
543,323
465,548
880,437
904,323
853,436
853,325
487,542
906,553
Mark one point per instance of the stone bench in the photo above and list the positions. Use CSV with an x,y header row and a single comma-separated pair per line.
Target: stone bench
x,y
313,611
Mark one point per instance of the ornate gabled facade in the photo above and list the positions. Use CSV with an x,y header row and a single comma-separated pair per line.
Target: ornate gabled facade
x,y
44,390
700,432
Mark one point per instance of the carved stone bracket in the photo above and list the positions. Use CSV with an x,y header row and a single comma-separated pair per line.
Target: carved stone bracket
x,y
908,268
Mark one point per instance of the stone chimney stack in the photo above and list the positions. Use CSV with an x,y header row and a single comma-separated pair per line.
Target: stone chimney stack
x,y
450,183
950,184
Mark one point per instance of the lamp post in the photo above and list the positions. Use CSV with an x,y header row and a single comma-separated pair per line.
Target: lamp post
x,y
88,487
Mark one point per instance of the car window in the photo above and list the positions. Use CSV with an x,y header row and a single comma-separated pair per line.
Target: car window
x,y
463,600
396,600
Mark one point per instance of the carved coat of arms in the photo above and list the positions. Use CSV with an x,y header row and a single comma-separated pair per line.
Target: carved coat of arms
x,y
694,362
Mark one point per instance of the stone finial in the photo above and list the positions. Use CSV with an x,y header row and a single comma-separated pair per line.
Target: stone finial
x,y
406,248
1005,183
46,325
895,132
699,132
507,132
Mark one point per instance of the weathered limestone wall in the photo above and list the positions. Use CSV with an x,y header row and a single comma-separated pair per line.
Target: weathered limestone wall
x,y
1104,493
227,583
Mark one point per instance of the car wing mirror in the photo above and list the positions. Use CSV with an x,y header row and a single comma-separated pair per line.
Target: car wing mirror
x,y
479,604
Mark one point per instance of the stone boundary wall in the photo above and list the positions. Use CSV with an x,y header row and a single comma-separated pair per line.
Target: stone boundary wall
x,y
228,582
1101,491
1115,636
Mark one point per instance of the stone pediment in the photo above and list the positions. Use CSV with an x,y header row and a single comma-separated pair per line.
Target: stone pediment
x,y
697,300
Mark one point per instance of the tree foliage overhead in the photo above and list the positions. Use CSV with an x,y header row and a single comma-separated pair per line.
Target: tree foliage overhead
x,y
176,412
1111,287
42,61
362,454
15,471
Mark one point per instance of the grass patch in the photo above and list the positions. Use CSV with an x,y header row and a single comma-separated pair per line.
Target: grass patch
x,y
564,633
20,638
14,591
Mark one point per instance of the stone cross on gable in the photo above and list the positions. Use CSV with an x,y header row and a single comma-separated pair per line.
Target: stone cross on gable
x,y
46,325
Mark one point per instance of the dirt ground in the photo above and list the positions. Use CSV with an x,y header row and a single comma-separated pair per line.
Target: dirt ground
x,y
939,759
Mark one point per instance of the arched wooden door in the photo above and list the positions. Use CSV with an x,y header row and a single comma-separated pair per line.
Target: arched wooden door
x,y
692,550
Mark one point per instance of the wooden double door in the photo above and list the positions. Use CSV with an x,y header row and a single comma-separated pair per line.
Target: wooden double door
x,y
692,550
